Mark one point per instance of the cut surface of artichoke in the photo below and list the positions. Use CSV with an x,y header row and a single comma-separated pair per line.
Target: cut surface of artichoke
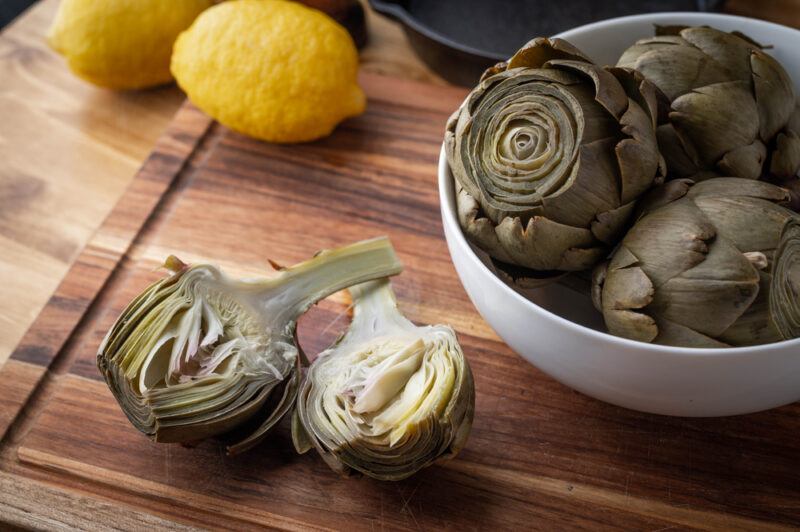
x,y
549,153
198,353
389,398
784,300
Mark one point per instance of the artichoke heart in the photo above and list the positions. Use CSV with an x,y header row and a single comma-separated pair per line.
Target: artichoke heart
x,y
712,264
198,354
550,153
389,398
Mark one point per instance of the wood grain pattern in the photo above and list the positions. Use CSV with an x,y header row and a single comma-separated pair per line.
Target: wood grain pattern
x,y
786,12
539,456
69,150
32,505
59,318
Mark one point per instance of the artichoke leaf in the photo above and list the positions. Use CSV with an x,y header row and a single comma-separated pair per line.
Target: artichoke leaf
x,y
786,157
745,161
774,92
725,108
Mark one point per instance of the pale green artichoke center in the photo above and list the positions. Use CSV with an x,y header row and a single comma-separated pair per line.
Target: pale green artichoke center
x,y
522,143
382,391
195,333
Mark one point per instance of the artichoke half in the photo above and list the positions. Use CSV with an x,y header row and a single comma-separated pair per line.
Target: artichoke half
x,y
389,398
733,110
198,354
549,153
714,264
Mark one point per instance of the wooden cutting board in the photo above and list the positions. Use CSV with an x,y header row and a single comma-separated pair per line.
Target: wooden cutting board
x,y
540,455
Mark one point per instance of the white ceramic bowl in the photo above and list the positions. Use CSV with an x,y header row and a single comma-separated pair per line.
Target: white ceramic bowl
x,y
559,332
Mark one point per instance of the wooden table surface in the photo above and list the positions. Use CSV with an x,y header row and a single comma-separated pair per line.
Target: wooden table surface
x,y
69,149
68,152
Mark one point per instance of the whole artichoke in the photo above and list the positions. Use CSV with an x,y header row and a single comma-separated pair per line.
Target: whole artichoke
x,y
549,153
731,103
714,264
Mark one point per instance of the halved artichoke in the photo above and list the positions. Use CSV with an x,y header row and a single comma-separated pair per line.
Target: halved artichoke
x,y
549,153
389,398
714,264
198,354
732,104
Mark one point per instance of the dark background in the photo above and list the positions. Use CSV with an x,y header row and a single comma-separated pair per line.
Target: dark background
x,y
9,9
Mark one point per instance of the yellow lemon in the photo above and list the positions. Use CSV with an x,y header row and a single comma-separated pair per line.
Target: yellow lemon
x,y
270,69
121,44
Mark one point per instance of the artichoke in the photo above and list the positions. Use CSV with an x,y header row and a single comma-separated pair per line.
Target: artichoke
x,y
731,103
198,354
549,153
389,398
714,264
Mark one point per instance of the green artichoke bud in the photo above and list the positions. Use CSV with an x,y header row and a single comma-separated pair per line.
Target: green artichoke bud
x,y
198,354
732,103
389,398
549,153
715,264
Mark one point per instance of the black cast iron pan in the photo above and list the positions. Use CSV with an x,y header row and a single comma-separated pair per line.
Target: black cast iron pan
x,y
459,39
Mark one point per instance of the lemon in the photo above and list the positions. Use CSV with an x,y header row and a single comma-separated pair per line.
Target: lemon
x,y
270,69
121,44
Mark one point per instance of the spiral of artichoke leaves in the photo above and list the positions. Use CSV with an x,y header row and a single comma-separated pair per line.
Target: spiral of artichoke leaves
x,y
198,354
733,105
549,153
784,301
389,398
715,264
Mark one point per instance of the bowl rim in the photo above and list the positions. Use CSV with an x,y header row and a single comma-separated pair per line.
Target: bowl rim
x,y
446,184
669,15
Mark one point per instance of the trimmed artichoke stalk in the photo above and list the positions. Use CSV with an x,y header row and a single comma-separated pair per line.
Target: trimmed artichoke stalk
x,y
198,353
714,264
389,398
549,153
733,106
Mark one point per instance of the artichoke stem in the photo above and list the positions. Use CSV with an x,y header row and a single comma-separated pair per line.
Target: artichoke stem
x,y
290,294
375,309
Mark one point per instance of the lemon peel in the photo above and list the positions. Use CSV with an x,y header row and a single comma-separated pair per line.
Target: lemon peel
x,y
271,69
121,44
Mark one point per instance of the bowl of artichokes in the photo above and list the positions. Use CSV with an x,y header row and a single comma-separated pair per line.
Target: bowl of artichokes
x,y
620,203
